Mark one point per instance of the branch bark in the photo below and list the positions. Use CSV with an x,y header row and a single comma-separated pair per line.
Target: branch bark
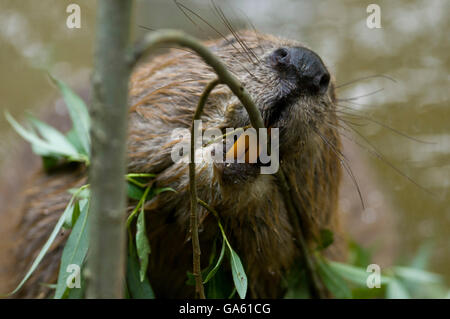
x,y
106,260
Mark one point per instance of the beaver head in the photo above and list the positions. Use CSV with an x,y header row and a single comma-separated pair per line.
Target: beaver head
x,y
292,88
289,83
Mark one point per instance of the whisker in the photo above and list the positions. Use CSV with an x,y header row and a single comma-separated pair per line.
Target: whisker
x,y
219,12
375,152
370,119
254,30
366,78
184,8
243,41
341,129
361,96
146,28
354,123
344,162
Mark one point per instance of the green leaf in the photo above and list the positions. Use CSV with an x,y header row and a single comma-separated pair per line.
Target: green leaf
x,y
297,285
137,182
358,256
395,290
216,267
142,244
219,286
422,258
353,274
233,292
417,275
50,286
326,239
333,281
82,192
75,250
72,216
369,293
239,276
141,175
136,288
74,140
137,208
43,147
54,137
77,293
78,113
81,198
134,192
49,162
44,249
164,189
212,257
190,281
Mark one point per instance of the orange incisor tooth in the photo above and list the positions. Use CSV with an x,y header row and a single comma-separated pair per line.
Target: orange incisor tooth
x,y
245,146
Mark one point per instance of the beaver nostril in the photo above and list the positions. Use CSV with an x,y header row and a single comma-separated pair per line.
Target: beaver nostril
x,y
323,80
280,57
282,52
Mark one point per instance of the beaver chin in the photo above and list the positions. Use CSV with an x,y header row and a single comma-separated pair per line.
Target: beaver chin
x,y
296,117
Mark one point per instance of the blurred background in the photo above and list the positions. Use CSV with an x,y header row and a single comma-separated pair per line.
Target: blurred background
x,y
411,47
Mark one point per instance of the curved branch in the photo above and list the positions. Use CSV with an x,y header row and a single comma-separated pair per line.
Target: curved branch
x,y
208,208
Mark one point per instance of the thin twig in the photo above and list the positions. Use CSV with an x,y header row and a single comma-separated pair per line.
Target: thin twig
x,y
209,208
199,289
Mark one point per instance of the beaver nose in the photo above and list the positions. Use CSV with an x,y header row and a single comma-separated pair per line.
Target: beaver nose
x,y
304,66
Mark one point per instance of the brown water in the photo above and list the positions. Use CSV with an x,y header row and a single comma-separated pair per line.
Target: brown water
x,y
412,47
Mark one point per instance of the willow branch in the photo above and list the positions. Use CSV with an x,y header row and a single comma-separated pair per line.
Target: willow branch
x,y
208,208
106,260
199,289
180,38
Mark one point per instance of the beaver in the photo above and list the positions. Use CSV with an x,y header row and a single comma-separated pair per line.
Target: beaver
x,y
294,91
